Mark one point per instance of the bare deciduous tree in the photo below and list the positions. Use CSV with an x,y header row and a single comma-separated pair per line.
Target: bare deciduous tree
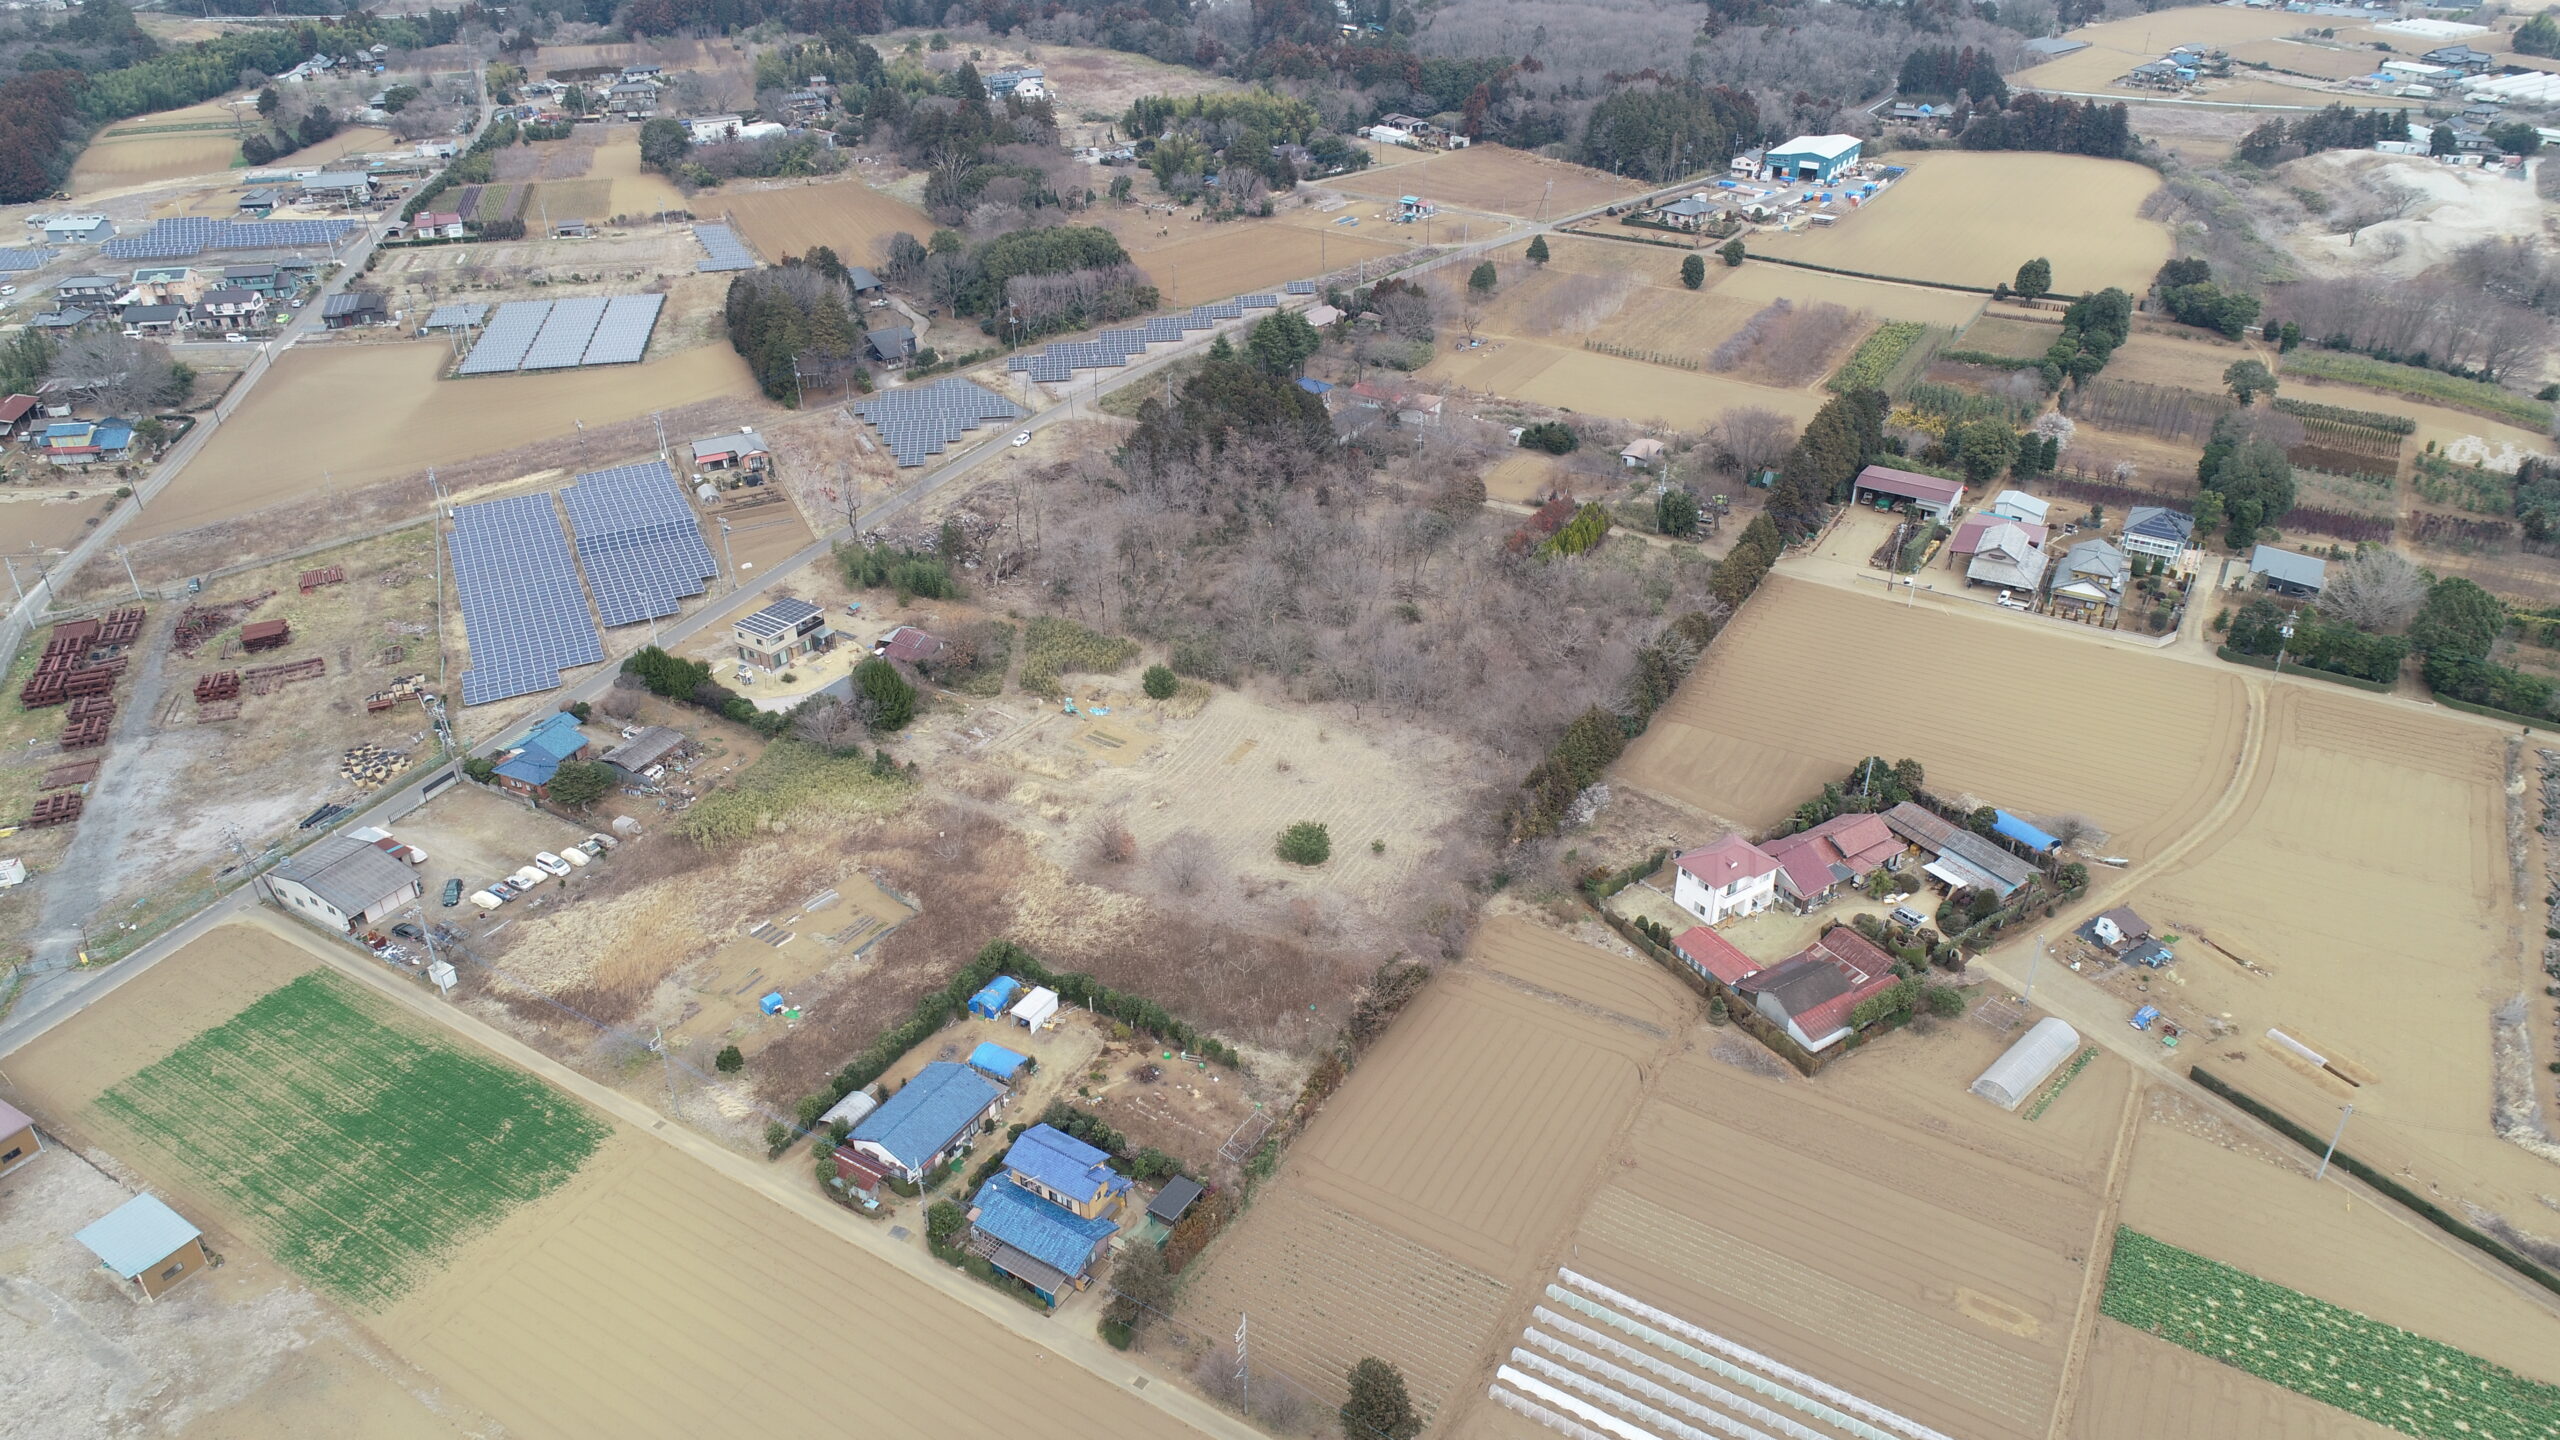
x,y
1110,841
830,723
1186,862
1751,439
2378,590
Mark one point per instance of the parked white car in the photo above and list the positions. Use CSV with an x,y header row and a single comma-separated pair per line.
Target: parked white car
x,y
552,863
487,900
527,878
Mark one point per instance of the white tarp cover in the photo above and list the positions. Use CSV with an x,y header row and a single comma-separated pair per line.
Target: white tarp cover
x,y
1035,1008
2016,1074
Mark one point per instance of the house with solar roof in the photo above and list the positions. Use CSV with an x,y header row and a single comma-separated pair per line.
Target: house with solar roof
x,y
785,631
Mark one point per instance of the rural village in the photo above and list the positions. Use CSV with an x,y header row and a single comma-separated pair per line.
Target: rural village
x,y
1495,719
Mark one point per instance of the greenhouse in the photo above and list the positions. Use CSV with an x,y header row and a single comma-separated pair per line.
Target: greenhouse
x,y
2024,1066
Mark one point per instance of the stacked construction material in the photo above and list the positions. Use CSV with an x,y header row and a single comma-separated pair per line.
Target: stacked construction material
x,y
86,732
407,687
56,810
268,679
369,765
311,580
266,635
220,685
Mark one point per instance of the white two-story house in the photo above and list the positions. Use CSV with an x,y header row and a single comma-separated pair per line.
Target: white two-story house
x,y
1730,877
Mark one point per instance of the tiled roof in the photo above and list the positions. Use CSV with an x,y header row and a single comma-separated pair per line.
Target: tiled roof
x,y
1714,954
1840,848
1726,861
1046,1232
1833,1014
933,1110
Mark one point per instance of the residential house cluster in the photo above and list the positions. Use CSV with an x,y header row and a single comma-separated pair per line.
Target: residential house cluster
x,y
174,302
1415,133
1811,994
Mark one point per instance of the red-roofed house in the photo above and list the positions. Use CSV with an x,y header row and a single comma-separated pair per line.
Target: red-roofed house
x,y
1813,991
1730,877
441,223
909,644
1927,494
1814,863
1709,953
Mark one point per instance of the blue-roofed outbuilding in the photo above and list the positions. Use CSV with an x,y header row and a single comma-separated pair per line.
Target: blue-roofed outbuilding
x,y
1314,386
1043,1245
1065,1170
2005,824
146,1242
997,1063
541,751
997,998
918,1128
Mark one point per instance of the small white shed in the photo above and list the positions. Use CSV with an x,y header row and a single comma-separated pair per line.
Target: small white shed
x,y
1035,1010
2024,1066
850,1110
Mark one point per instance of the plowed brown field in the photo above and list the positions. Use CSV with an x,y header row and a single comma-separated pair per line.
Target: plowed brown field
x,y
1490,178
1770,716
844,214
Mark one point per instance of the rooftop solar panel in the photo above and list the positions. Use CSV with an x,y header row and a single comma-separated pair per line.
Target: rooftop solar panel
x,y
522,611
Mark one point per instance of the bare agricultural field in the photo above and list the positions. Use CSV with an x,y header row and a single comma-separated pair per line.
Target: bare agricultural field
x,y
1240,256
2116,46
1972,218
635,191
165,145
1494,179
2151,358
2134,1386
2301,57
1398,1220
2412,804
2005,335
355,140
1597,384
361,413
1757,728
53,516
844,214
1761,284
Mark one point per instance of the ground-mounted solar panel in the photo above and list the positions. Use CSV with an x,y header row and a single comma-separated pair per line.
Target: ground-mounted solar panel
x,y
1259,302
523,613
639,542
13,261
510,333
622,336
455,317
562,344
1301,287
722,245
917,421
178,236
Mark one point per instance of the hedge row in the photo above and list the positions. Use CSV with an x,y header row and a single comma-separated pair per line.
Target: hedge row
x,y
2538,722
2268,662
2487,1245
2400,425
1737,1009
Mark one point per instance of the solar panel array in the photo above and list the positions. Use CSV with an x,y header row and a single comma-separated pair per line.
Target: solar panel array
x,y
1301,287
1111,349
563,341
638,539
522,610
559,334
12,261
511,332
179,236
721,244
922,420
622,336
455,317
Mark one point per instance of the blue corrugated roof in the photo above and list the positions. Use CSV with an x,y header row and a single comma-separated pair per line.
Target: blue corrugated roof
x,y
543,748
1046,1232
997,1060
999,994
2019,830
934,1109
137,1235
1059,1161
1312,385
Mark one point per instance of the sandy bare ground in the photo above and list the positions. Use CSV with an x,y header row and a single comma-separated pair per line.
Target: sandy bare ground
x,y
652,1295
1765,722
2442,211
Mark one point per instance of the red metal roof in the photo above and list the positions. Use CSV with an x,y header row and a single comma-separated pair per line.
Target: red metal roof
x,y
1833,1014
1714,954
1727,860
1968,536
909,644
15,408
1909,485
1855,956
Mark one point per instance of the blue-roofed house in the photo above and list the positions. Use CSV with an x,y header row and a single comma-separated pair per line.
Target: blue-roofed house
x,y
1042,1244
932,1116
540,753
1065,1171
84,442
146,1244
993,1001
999,1064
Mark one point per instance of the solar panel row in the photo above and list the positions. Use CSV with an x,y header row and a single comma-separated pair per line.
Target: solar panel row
x,y
12,261
1058,364
921,420
1301,287
455,317
563,341
522,611
622,336
511,333
638,541
721,244
179,236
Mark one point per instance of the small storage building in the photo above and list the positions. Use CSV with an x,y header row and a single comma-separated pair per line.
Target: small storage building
x,y
18,1139
1176,1198
2010,827
1927,494
997,1063
994,1000
851,1110
1037,1009
2025,1065
147,1245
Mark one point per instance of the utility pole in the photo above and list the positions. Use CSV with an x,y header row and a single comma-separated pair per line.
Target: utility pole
x,y
2033,965
658,418
127,557
2343,1117
734,582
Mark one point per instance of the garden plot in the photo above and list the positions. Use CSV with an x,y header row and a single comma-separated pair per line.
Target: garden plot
x,y
1972,218
2185,361
1756,728
2008,335
1200,263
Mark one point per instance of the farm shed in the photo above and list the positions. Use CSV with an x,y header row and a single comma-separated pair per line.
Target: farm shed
x,y
1043,1245
18,1139
2024,1066
1927,494
1963,858
1035,1010
2118,928
996,998
1730,877
146,1244
1641,453
1066,1172
909,644
1813,992
930,1117
1812,157
651,745
997,1063
1177,1197
2289,574
2004,823
850,1110
343,881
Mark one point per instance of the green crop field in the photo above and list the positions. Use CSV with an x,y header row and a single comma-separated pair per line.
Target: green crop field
x,y
360,1152
2360,1365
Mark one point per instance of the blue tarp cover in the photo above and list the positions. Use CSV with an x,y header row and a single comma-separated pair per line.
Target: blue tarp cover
x,y
997,1060
2019,830
996,998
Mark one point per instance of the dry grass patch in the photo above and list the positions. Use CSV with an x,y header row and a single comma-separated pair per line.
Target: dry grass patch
x,y
1973,218
1492,178
844,214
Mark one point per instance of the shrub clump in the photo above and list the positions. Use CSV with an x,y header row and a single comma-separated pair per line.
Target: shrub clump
x,y
1305,843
